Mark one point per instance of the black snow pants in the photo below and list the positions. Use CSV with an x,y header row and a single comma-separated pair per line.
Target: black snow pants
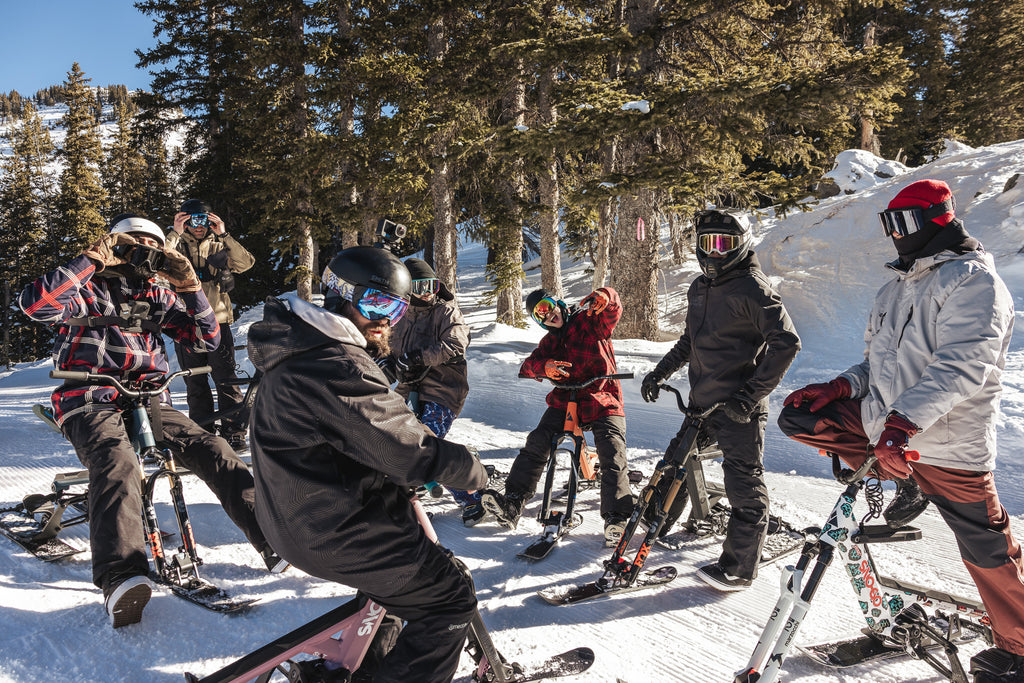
x,y
116,534
198,394
610,443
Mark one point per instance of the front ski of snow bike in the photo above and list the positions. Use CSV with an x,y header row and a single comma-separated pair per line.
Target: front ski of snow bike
x,y
658,499
893,610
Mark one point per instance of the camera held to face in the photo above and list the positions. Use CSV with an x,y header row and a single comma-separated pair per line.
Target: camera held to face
x,y
145,261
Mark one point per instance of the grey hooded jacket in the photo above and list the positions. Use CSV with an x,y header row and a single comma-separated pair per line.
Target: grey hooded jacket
x,y
936,346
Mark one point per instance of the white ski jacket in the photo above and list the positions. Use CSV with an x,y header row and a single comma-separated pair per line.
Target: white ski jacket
x,y
936,346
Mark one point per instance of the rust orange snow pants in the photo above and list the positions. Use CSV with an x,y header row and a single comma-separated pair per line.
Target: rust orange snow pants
x,y
967,501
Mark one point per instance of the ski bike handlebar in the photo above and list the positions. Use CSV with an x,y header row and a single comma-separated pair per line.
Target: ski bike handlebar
x,y
110,380
587,383
693,413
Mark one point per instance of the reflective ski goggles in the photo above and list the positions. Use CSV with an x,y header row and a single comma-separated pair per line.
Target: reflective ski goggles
x,y
543,309
719,243
372,304
199,220
426,286
910,219
902,222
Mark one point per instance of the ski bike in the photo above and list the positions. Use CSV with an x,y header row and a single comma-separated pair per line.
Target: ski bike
x,y
583,467
339,640
656,507
897,621
37,521
244,408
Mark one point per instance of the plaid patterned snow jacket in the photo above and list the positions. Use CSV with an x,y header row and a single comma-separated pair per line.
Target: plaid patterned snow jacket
x,y
74,292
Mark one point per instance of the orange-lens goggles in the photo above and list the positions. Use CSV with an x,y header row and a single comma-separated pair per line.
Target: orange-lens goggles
x,y
718,243
543,309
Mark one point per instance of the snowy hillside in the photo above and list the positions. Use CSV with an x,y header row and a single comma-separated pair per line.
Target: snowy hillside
x,y
827,262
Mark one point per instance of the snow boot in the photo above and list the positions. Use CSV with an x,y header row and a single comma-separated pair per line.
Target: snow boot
x,y
275,563
614,526
125,598
996,665
719,579
906,506
507,508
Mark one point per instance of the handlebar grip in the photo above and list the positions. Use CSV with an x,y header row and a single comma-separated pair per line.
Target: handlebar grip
x,y
69,374
201,370
623,375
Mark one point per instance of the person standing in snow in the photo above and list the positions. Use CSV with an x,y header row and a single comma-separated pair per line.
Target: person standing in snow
x,y
336,454
576,348
110,315
739,341
199,234
428,355
936,344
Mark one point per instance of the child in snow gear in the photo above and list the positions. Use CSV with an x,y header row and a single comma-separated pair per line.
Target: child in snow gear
x,y
577,347
332,482
428,357
110,315
936,340
216,256
739,341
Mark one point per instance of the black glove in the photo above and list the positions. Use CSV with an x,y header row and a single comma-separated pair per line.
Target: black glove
x,y
739,407
388,367
410,365
649,388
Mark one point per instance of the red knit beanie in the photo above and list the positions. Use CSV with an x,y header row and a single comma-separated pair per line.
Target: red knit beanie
x,y
925,193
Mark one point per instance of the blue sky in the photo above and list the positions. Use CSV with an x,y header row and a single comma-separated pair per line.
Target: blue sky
x,y
39,40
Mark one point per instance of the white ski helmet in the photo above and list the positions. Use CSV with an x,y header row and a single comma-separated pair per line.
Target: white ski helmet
x,y
131,223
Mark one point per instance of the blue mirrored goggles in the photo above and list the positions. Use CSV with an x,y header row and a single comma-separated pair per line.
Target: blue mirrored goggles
x,y
372,304
426,286
199,220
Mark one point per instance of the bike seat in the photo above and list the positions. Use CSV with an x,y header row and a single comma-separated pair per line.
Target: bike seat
x,y
881,533
66,480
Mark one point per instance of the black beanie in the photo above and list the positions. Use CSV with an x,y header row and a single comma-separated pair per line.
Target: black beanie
x,y
419,269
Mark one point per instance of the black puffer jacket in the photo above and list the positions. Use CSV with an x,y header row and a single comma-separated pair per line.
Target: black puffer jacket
x,y
738,336
335,452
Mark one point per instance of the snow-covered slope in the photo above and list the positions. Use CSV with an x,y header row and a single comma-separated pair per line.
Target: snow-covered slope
x,y
828,264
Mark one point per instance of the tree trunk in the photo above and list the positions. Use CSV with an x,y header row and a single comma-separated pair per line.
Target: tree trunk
x,y
550,255
635,267
508,266
868,139
445,243
605,223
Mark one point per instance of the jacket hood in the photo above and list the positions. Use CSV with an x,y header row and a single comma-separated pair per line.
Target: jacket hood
x,y
292,326
923,265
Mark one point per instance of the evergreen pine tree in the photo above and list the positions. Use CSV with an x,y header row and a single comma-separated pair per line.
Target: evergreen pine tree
x,y
986,95
27,196
81,198
124,172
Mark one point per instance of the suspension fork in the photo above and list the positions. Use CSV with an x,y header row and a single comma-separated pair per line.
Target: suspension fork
x,y
628,571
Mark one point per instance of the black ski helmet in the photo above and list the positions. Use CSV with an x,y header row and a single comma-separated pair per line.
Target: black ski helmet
x,y
195,206
722,222
364,268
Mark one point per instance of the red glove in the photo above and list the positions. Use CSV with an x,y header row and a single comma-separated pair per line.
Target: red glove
x,y
596,302
555,369
891,449
820,395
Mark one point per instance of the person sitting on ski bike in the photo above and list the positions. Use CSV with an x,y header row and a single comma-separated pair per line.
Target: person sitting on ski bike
x,y
577,347
936,343
110,313
336,453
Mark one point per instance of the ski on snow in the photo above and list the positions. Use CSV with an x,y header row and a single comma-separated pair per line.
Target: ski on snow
x,y
568,663
839,654
569,595
24,529
553,532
